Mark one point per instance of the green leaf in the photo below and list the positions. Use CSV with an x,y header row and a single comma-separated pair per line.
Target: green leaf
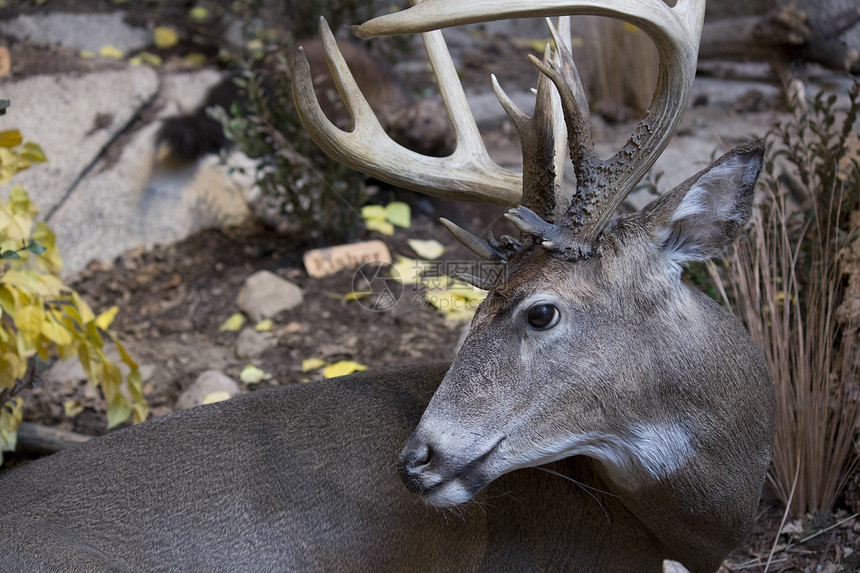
x,y
36,248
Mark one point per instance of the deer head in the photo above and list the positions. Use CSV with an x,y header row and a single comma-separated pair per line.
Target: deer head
x,y
588,343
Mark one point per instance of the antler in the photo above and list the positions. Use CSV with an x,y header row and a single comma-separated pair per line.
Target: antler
x,y
467,174
601,185
568,226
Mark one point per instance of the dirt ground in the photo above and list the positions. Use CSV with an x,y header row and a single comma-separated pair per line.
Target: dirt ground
x,y
174,298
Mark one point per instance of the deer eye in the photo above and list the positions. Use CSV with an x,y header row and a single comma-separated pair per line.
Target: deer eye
x,y
543,316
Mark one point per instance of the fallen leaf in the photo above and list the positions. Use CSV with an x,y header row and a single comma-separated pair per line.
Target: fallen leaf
x,y
342,368
111,52
427,249
264,325
199,13
213,397
398,213
380,226
313,364
354,295
251,374
164,37
407,271
195,59
233,323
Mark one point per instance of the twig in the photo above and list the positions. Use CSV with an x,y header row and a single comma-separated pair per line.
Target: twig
x,y
825,530
784,515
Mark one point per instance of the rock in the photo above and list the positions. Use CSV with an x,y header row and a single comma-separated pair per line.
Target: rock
x,y
73,118
251,343
78,31
265,294
210,386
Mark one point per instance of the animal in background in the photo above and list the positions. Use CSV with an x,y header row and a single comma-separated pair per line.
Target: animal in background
x,y
420,125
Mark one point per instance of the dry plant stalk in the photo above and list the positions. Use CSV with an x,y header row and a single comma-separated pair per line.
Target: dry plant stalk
x,y
812,357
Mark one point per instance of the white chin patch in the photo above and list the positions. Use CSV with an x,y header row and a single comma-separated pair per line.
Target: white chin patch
x,y
447,495
637,455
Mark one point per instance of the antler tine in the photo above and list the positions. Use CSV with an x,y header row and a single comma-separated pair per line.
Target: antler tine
x,y
468,174
601,185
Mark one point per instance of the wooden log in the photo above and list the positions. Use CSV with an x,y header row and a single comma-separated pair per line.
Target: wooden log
x,y
38,439
784,34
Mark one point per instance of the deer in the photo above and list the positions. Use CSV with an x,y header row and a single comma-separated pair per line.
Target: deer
x,y
601,415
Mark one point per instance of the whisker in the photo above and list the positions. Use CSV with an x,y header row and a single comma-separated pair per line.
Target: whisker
x,y
585,488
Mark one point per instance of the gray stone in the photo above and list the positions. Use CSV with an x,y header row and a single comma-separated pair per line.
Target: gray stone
x,y
211,384
78,31
137,202
73,118
250,343
129,199
265,294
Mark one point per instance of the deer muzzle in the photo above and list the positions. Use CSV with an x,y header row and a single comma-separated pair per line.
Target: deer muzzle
x,y
444,475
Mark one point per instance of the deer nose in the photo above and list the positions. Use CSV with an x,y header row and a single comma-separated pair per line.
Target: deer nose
x,y
413,465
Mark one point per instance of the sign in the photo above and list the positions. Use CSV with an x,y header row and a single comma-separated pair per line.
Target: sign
x,y
323,262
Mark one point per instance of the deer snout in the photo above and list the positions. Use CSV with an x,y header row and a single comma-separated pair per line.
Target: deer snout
x,y
445,474
414,467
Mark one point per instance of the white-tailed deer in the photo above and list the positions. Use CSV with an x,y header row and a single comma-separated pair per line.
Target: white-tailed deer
x,y
601,415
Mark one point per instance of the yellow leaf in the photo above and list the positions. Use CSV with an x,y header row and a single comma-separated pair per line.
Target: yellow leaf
x,y
153,60
72,408
56,332
264,325
118,410
11,415
373,212
407,271
199,13
139,411
195,59
87,54
105,319
10,138
33,152
312,364
342,368
251,374
427,249
354,295
85,313
213,397
379,226
398,213
111,52
164,37
233,323
28,320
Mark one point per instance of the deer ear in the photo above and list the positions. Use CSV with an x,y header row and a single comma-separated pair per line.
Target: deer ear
x,y
701,217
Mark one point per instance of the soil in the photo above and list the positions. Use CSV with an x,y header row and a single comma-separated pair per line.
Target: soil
x,y
174,299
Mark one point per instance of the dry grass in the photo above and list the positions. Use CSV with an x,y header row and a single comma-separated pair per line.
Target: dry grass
x,y
785,281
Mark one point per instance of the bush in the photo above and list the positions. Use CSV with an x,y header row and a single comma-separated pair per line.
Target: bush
x,y
41,317
309,192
